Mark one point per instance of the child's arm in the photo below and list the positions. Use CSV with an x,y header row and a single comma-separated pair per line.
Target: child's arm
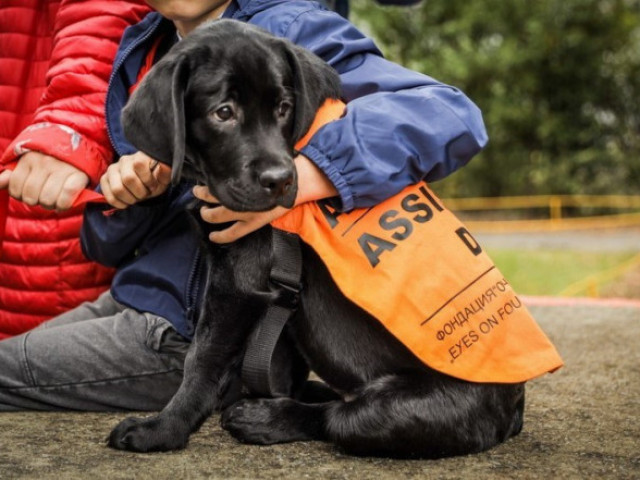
x,y
113,238
400,127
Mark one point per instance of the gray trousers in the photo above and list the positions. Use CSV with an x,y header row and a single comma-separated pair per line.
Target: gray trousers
x,y
100,356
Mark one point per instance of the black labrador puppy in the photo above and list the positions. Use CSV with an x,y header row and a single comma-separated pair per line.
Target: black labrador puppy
x,y
231,100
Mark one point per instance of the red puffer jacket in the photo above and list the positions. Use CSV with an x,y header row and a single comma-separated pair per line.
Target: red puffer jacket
x,y
55,61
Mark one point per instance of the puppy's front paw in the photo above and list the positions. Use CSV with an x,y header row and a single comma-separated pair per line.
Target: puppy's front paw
x,y
146,435
265,421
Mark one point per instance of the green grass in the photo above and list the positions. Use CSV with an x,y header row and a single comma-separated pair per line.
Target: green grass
x,y
544,272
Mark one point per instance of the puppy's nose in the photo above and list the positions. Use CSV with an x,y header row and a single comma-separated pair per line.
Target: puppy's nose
x,y
278,181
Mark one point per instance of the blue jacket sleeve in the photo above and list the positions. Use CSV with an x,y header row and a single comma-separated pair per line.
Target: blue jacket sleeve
x,y
400,126
115,238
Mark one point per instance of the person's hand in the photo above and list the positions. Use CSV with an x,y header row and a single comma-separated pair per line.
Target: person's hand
x,y
40,179
134,178
245,222
312,185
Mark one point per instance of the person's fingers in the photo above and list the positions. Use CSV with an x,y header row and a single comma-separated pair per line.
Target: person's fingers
x,y
50,191
219,214
61,188
142,166
201,192
143,176
231,234
162,174
32,186
40,179
71,188
131,170
17,180
114,191
244,222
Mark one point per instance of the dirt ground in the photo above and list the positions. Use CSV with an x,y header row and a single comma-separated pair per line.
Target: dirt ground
x,y
581,422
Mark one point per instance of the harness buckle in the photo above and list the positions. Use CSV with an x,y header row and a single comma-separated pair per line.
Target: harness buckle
x,y
288,294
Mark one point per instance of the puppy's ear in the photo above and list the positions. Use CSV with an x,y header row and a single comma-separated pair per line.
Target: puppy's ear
x,y
314,81
153,119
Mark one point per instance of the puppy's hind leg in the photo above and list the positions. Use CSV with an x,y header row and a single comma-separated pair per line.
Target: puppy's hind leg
x,y
425,416
265,421
401,416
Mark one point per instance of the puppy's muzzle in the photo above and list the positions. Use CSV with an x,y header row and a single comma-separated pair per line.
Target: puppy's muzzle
x,y
279,182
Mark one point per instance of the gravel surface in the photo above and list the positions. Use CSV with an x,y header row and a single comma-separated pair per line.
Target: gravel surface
x,y
581,423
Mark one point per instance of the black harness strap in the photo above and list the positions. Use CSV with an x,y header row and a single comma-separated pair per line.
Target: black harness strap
x,y
285,277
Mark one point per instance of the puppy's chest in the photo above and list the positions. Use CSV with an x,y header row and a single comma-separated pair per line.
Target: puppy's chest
x,y
242,267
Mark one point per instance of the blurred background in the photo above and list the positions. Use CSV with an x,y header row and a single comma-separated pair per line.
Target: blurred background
x,y
555,196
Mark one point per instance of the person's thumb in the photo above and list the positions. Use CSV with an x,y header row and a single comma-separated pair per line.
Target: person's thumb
x,y
5,176
162,174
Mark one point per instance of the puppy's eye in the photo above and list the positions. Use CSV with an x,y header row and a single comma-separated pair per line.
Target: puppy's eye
x,y
284,108
224,113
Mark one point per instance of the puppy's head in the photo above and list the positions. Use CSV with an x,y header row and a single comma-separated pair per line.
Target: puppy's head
x,y
225,106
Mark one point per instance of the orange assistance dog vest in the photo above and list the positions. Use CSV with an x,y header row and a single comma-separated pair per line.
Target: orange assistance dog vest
x,y
411,264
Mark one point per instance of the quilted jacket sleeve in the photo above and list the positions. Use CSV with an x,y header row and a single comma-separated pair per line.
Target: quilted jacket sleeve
x,y
69,123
